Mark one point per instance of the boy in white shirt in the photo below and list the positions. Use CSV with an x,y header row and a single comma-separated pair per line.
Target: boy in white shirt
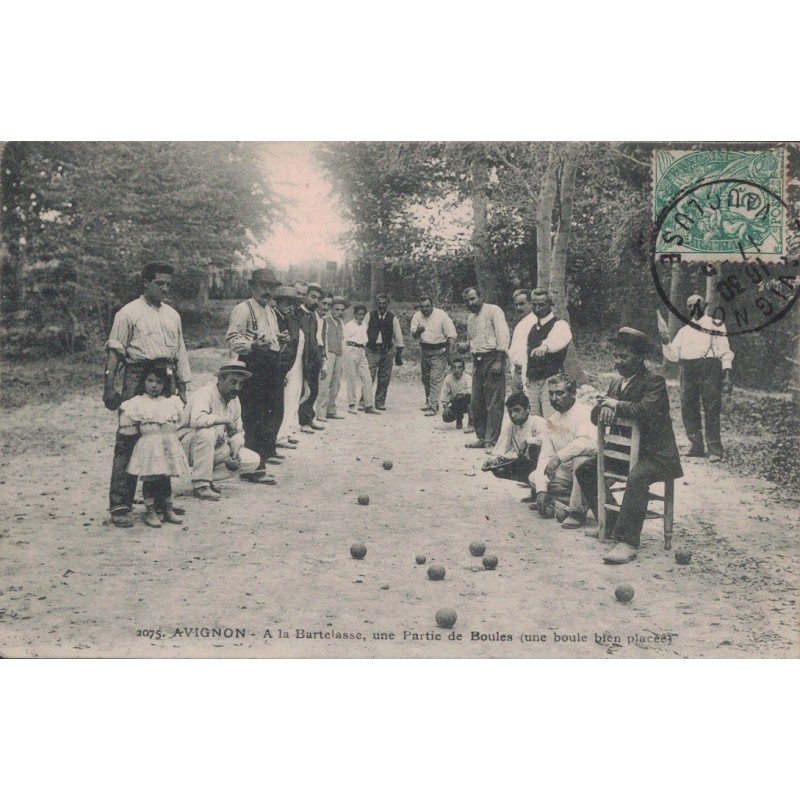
x,y
456,396
356,365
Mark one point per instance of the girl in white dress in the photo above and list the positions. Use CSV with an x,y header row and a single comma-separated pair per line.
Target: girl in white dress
x,y
155,414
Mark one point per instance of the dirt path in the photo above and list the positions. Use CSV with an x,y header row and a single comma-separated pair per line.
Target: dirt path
x,y
277,560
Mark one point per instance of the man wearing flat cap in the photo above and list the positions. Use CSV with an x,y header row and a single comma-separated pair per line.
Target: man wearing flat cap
x,y
212,434
254,335
334,347
639,395
706,358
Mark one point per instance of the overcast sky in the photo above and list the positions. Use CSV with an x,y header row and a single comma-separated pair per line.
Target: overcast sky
x,y
314,222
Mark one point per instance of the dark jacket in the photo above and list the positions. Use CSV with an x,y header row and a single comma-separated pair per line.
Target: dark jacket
x,y
645,401
312,352
291,325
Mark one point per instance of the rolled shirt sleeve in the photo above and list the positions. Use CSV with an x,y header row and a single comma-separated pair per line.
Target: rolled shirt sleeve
x,y
238,336
398,334
501,331
559,337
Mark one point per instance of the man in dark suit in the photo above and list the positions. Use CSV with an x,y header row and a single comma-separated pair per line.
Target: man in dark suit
x,y
641,396
314,357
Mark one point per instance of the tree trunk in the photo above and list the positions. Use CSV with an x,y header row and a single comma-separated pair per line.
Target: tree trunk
x,y
544,220
376,276
677,296
558,264
795,387
486,276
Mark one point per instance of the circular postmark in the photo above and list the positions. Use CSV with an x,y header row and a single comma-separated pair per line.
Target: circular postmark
x,y
751,293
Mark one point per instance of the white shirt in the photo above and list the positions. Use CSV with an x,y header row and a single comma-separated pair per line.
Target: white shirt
x,y
559,337
488,330
398,334
566,435
514,439
353,332
241,331
438,326
518,350
202,410
690,344
453,387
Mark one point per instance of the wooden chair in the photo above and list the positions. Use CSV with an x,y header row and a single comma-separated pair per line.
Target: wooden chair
x,y
625,451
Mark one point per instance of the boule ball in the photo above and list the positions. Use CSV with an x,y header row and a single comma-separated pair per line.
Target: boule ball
x,y
446,617
363,499
489,562
624,592
683,556
436,572
561,515
358,550
477,548
421,559
387,464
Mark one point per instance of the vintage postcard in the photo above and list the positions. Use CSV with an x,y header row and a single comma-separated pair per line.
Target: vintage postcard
x,y
400,400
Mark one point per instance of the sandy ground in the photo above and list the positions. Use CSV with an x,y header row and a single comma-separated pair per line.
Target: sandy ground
x,y
266,569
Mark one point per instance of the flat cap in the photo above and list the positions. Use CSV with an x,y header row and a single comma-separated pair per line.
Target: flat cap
x,y
630,337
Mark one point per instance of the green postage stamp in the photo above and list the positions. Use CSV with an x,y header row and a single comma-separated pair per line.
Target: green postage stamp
x,y
720,205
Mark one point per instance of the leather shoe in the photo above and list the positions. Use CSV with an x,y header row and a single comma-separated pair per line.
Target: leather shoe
x,y
352,410
152,519
621,553
430,413
530,498
122,519
469,429
572,522
424,408
292,440
695,451
286,446
714,458
205,493
477,444
334,416
254,477
380,408
317,427
371,410
306,429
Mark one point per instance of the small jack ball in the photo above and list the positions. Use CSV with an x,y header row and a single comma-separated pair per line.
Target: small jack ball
x,y
477,548
446,617
387,464
358,550
421,559
683,556
624,592
489,562
436,572
363,499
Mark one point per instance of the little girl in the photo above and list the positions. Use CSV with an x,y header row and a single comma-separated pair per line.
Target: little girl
x,y
155,413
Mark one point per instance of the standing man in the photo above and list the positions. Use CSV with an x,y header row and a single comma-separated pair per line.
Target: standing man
x,y
356,367
254,335
488,340
437,340
286,302
383,336
706,360
146,329
548,339
212,434
518,350
334,346
639,395
314,359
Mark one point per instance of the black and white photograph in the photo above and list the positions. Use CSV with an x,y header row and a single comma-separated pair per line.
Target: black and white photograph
x,y
399,399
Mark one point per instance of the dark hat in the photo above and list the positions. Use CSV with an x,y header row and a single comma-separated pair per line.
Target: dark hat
x,y
264,276
234,368
341,301
285,291
630,337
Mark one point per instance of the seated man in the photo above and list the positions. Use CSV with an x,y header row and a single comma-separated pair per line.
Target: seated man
x,y
641,396
515,454
568,439
456,395
212,434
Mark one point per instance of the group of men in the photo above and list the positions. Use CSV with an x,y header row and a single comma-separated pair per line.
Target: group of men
x,y
292,348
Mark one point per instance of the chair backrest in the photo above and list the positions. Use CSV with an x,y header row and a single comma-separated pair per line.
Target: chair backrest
x,y
620,444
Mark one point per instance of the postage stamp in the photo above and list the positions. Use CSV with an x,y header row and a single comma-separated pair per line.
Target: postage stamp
x,y
720,205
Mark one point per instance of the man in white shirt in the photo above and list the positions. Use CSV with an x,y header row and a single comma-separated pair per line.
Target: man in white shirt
x,y
514,455
212,434
456,396
489,338
518,350
568,439
334,346
706,360
385,339
254,335
356,366
437,340
548,339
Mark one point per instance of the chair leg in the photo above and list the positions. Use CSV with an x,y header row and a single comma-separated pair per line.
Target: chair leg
x,y
669,509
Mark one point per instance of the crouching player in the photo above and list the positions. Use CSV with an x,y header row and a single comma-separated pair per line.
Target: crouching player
x,y
515,455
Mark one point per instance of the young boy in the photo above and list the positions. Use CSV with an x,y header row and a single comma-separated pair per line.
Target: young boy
x,y
515,455
456,396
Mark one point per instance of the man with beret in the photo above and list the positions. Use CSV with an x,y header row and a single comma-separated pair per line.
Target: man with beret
x,y
334,346
254,335
314,357
384,343
638,395
706,359
145,330
212,434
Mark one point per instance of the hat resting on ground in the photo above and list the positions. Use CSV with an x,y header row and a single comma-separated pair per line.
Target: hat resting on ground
x,y
638,341
234,368
264,277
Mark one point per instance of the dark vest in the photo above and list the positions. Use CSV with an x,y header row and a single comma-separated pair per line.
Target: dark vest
x,y
551,363
288,324
386,329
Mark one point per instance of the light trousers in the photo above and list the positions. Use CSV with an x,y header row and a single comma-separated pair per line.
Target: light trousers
x,y
358,376
207,457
